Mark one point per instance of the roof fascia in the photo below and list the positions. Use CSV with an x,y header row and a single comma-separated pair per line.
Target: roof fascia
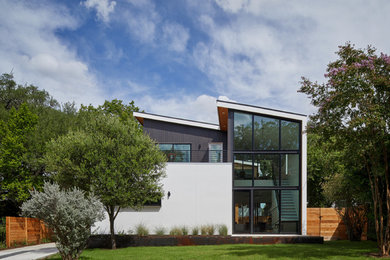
x,y
176,120
261,110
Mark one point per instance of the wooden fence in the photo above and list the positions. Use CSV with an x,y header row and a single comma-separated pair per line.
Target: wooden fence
x,y
23,231
326,222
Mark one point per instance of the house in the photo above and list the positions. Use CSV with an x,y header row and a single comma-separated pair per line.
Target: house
x,y
247,172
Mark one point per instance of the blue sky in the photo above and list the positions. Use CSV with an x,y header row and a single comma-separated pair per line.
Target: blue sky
x,y
176,57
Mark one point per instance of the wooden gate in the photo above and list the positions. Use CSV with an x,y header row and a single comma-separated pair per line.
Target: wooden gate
x,y
327,223
23,231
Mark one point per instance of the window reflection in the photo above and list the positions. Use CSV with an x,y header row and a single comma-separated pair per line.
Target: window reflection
x,y
266,211
290,170
266,133
176,152
242,131
290,135
242,170
266,170
241,212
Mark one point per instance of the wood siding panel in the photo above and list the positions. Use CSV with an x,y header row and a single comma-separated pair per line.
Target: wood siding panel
x,y
326,222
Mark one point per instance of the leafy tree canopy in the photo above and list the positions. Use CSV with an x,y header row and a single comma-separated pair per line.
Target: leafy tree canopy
x,y
16,180
112,158
29,117
354,109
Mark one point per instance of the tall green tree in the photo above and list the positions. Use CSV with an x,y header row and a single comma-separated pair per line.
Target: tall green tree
x,y
323,162
354,109
113,107
112,158
52,120
16,180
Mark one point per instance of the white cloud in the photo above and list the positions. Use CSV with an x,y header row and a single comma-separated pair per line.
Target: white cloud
x,y
202,108
141,20
232,6
259,55
225,98
175,36
36,56
103,8
147,26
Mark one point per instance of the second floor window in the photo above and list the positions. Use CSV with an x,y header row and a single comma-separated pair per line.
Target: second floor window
x,y
176,152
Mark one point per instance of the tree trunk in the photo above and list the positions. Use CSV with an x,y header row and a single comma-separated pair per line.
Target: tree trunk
x,y
112,231
387,197
112,215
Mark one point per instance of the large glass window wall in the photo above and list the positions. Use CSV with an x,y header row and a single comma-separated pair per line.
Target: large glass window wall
x,y
266,174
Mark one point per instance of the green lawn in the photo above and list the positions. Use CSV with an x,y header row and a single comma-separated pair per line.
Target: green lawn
x,y
329,250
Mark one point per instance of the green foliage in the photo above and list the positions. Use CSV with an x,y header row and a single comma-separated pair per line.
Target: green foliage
x,y
113,158
114,107
195,231
2,232
141,230
210,230
13,95
203,230
322,163
176,231
14,173
69,213
207,230
184,230
160,231
354,110
25,142
349,196
222,230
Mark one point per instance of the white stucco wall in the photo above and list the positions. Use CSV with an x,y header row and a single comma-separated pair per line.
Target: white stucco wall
x,y
201,193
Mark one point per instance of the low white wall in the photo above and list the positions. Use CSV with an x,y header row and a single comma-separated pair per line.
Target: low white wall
x,y
201,193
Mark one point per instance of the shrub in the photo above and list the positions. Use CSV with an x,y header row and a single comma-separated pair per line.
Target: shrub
x,y
2,232
69,213
203,230
222,230
184,230
195,231
210,230
159,231
176,231
121,233
141,230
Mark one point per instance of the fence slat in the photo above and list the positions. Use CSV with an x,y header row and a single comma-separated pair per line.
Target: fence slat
x,y
21,230
326,222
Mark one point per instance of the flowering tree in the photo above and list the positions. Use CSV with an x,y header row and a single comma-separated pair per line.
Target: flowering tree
x,y
354,109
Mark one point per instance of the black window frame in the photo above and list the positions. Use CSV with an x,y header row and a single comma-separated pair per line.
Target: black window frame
x,y
173,144
279,187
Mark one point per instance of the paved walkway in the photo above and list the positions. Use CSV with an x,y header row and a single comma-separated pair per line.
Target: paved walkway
x,y
29,252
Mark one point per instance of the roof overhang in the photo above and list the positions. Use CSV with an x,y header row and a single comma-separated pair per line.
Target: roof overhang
x,y
224,106
141,116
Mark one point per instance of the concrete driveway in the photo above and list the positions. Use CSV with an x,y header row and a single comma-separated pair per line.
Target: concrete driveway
x,y
29,252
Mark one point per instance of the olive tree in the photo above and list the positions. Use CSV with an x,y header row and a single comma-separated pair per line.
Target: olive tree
x,y
69,213
354,109
111,157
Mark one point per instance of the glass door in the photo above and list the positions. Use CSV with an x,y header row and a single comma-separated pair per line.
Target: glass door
x,y
242,212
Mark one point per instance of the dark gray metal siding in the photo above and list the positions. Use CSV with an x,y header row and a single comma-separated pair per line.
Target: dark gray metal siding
x,y
199,138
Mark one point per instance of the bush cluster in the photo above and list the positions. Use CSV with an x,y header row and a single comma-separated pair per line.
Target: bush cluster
x,y
222,230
